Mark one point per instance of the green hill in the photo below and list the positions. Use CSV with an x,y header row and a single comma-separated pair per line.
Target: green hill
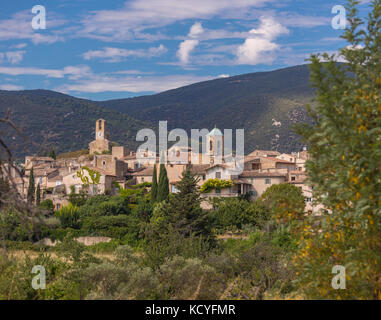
x,y
49,118
257,102
265,104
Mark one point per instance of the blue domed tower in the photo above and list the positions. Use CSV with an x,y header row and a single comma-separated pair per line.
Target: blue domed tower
x,y
215,146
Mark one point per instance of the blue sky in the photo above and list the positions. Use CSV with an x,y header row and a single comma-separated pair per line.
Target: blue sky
x,y
115,49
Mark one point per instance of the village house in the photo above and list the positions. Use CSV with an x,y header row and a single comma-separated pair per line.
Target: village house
x,y
119,167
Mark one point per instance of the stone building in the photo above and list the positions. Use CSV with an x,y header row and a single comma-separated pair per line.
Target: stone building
x,y
100,144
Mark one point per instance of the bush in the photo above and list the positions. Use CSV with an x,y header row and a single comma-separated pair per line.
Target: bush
x,y
105,206
213,184
69,216
112,226
233,213
47,205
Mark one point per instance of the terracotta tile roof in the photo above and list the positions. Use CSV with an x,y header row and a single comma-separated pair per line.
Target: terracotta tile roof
x,y
198,168
42,158
249,174
145,172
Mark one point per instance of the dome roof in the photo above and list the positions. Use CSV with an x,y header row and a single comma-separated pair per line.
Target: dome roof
x,y
215,132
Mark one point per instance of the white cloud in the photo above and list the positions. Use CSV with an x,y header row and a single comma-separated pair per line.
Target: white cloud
x,y
196,30
19,27
185,48
12,57
10,87
19,46
131,84
260,46
15,57
109,54
138,15
73,72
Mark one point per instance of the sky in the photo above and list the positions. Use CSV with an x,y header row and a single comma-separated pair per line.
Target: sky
x,y
113,49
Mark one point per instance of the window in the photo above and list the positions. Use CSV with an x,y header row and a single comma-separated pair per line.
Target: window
x,y
218,175
268,181
174,189
58,206
308,200
203,177
104,162
58,183
255,166
293,178
142,179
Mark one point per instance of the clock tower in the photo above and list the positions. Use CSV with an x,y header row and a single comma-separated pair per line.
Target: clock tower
x,y
100,130
100,144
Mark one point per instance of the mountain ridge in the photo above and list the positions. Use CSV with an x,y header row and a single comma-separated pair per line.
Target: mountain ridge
x,y
265,104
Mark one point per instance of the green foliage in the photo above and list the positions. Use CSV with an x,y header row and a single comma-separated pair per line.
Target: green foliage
x,y
93,174
284,201
163,187
234,214
182,211
52,154
102,205
344,168
69,216
144,209
213,184
38,195
154,188
31,187
77,199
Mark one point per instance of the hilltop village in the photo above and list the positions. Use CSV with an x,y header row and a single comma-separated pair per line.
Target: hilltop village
x,y
107,169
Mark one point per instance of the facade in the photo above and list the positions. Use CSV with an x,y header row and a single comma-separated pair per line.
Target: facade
x,y
119,166
100,144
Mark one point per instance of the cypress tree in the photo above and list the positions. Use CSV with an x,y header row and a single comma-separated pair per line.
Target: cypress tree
x,y
52,154
38,195
31,187
183,213
163,188
154,188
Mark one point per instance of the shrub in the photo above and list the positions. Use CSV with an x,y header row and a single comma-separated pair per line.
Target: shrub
x,y
69,216
233,213
213,184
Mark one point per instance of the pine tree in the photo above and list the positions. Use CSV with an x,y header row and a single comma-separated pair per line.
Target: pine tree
x,y
345,149
38,195
154,188
52,154
31,187
182,213
163,187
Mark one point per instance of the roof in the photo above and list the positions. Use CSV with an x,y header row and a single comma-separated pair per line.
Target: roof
x,y
145,172
265,152
252,174
40,158
55,178
41,172
215,132
217,165
237,181
198,168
